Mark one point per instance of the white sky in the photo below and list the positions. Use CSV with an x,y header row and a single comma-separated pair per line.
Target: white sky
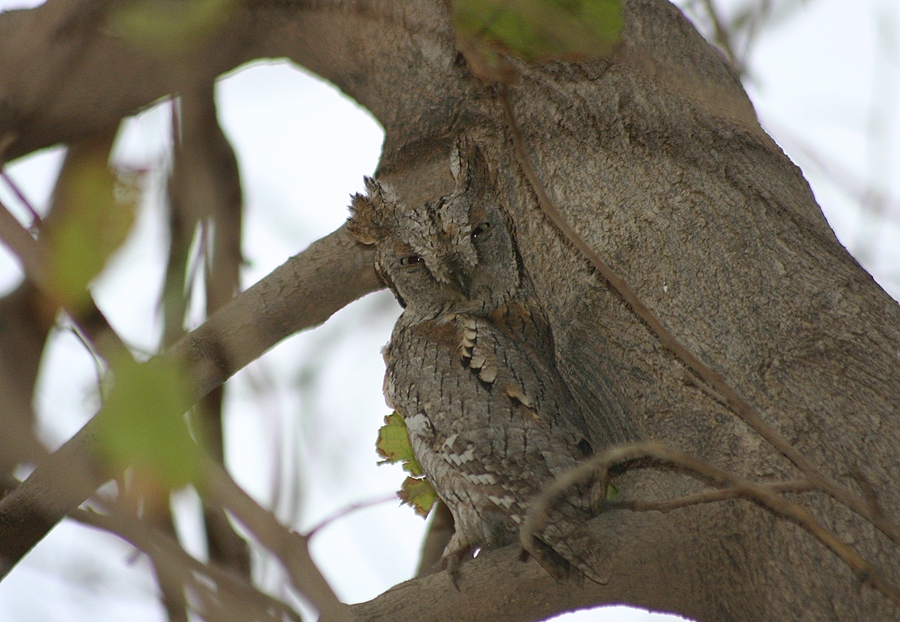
x,y
302,421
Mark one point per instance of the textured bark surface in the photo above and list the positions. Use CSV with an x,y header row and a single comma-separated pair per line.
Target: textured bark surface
x,y
656,158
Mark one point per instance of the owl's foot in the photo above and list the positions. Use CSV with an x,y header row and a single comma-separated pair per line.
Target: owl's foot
x,y
455,554
451,565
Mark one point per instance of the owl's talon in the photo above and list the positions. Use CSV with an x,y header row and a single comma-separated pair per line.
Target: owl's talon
x,y
452,563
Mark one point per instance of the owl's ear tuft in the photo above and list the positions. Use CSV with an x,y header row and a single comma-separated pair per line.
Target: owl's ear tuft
x,y
369,214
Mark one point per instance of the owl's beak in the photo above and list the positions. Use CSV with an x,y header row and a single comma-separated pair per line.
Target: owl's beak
x,y
461,279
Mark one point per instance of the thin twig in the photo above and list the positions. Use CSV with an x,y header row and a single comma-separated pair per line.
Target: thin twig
x,y
31,256
36,221
5,141
737,403
723,38
353,507
706,496
290,547
168,556
597,469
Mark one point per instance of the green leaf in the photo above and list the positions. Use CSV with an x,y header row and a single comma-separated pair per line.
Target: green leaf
x,y
140,426
96,213
611,493
169,26
418,493
393,444
535,30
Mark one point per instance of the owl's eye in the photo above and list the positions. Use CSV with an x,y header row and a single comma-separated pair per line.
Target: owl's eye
x,y
481,229
411,260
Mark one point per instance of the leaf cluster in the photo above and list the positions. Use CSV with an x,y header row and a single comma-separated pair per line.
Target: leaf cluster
x,y
393,445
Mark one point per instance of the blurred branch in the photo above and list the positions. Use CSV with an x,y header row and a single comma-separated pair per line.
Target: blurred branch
x,y
221,588
737,35
722,35
838,174
204,204
290,547
206,197
25,322
35,217
301,293
32,255
26,317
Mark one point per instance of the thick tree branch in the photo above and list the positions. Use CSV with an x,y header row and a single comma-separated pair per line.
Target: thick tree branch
x,y
498,585
64,74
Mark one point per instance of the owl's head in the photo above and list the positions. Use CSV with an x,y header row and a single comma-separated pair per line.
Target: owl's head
x,y
453,253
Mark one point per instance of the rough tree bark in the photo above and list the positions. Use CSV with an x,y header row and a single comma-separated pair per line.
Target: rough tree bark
x,y
655,156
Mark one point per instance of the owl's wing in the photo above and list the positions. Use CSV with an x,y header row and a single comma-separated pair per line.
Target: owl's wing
x,y
486,429
472,392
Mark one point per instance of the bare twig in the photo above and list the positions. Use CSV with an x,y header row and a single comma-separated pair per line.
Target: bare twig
x,y
706,496
353,507
597,468
168,557
715,380
91,322
290,547
36,221
5,141
722,35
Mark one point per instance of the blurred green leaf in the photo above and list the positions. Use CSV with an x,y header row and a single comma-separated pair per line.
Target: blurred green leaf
x,y
418,493
140,427
169,26
612,493
96,213
534,30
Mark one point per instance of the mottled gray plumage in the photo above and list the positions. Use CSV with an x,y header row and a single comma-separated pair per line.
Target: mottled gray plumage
x,y
470,367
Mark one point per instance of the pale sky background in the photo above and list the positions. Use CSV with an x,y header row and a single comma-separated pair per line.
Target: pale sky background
x,y
302,421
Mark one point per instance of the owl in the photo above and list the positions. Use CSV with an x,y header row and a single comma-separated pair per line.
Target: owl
x,y
470,367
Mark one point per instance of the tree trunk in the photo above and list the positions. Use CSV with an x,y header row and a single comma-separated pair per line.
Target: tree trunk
x,y
655,156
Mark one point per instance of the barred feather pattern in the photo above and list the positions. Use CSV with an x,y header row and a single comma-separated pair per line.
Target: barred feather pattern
x,y
492,424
